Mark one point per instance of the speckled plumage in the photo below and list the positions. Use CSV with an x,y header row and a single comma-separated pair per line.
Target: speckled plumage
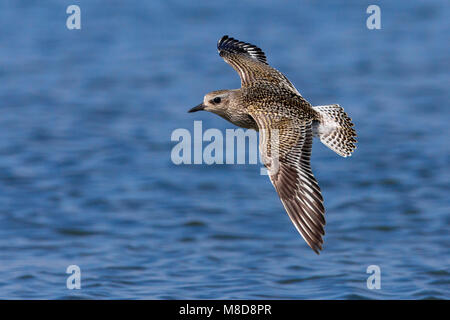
x,y
269,103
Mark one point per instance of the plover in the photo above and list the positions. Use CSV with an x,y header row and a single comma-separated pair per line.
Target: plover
x,y
269,103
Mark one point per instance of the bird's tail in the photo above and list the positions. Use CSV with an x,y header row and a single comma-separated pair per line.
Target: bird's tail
x,y
334,129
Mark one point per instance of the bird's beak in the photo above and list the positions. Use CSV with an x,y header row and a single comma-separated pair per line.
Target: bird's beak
x,y
197,108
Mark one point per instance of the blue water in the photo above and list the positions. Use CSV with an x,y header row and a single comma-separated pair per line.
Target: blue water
x,y
86,176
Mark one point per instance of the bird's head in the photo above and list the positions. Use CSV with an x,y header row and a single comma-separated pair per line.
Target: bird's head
x,y
216,102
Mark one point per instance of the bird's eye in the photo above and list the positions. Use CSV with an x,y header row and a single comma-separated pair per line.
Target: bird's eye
x,y
217,100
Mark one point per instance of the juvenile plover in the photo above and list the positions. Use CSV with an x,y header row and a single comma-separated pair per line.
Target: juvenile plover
x,y
269,103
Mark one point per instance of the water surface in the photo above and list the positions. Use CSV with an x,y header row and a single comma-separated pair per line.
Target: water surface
x,y
86,176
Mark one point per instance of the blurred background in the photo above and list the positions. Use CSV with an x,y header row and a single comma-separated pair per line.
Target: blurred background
x,y
86,176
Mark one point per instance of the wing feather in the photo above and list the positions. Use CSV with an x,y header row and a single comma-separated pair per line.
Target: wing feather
x,y
250,63
287,157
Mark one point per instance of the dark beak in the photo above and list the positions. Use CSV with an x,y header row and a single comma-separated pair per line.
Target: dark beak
x,y
197,108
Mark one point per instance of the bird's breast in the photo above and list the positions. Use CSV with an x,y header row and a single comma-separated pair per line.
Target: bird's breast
x,y
241,119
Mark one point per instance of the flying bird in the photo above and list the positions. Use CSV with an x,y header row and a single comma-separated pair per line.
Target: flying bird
x,y
269,103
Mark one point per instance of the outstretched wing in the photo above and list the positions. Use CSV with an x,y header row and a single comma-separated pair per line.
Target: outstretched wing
x,y
250,63
285,147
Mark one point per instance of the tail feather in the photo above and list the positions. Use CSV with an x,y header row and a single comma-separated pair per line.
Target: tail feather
x,y
335,130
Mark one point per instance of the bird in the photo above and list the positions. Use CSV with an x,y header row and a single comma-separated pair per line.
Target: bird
x,y
286,123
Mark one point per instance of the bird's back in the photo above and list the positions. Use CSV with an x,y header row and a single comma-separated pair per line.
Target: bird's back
x,y
269,98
